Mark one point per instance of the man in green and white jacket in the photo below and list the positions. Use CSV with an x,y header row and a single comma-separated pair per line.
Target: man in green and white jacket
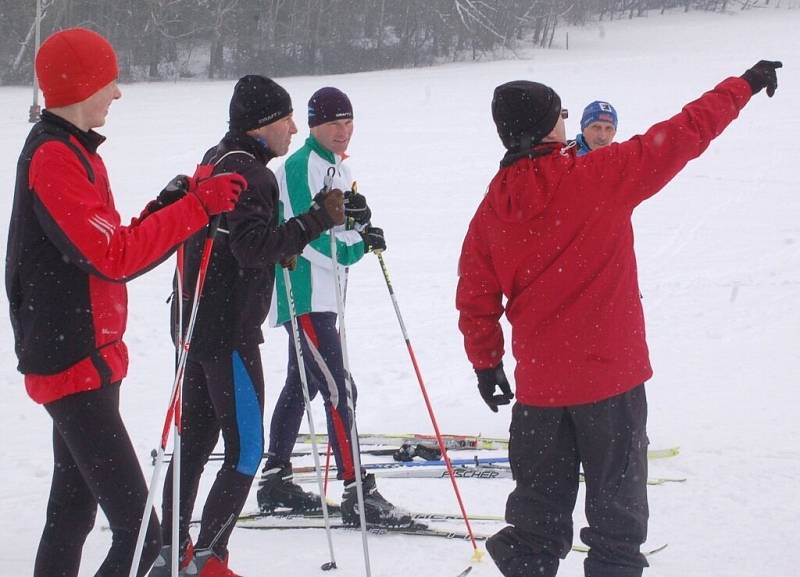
x,y
330,119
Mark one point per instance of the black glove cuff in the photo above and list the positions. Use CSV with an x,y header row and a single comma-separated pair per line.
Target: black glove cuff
x,y
483,373
753,79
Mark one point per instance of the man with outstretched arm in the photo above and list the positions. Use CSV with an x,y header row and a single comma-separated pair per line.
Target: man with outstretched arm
x,y
67,262
553,236
224,383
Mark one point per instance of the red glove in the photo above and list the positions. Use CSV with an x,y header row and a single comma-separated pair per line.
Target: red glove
x,y
217,193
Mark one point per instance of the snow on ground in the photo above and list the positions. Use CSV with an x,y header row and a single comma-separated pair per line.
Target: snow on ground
x,y
719,268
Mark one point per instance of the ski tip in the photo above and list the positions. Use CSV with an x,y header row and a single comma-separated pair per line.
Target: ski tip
x,y
656,550
465,572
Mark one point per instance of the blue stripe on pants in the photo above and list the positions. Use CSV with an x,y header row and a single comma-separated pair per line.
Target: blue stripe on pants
x,y
248,419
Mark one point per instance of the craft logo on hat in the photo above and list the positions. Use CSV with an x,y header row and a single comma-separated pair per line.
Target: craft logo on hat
x,y
256,102
327,105
269,118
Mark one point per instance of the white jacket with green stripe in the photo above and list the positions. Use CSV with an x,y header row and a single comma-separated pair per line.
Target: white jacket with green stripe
x,y
300,178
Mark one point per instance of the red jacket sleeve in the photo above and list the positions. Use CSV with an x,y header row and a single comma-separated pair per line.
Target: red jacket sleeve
x,y
638,168
80,219
479,300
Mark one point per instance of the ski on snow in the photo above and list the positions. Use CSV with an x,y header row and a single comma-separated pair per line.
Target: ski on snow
x,y
219,456
415,529
389,444
452,442
477,468
334,511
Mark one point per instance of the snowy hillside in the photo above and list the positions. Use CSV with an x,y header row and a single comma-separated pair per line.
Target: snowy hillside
x,y
719,261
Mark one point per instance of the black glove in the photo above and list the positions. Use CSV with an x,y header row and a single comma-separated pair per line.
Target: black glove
x,y
175,190
373,239
488,380
763,75
355,207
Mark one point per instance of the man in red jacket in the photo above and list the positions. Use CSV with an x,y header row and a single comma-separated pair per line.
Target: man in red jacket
x,y
554,237
67,263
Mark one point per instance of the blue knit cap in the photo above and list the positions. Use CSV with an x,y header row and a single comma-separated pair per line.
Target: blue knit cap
x,y
598,111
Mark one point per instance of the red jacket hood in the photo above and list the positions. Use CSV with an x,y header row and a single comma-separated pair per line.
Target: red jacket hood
x,y
522,190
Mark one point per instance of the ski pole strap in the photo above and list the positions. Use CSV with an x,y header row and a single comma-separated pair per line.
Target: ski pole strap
x,y
328,182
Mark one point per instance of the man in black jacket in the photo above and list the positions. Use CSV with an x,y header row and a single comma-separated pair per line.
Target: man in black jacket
x,y
224,384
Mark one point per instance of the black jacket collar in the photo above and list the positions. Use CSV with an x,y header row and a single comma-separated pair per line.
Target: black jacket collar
x,y
236,140
89,140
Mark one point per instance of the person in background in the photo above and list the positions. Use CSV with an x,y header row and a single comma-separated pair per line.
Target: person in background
x,y
330,119
598,127
67,262
553,237
224,383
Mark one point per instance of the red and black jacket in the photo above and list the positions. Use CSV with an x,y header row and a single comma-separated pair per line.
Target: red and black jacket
x,y
68,258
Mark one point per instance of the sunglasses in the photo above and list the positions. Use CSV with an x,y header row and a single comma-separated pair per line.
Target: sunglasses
x,y
564,113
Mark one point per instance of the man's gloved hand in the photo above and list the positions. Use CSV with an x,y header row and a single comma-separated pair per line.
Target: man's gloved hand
x,y
373,239
330,207
290,262
488,381
763,75
355,207
175,190
218,193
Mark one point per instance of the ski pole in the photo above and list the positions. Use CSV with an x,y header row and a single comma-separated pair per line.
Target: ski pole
x,y
298,347
178,424
477,553
175,395
348,387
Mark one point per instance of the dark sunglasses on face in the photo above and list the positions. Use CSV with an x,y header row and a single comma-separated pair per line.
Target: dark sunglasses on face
x,y
564,113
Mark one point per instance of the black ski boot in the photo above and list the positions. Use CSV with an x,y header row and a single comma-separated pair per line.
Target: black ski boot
x,y
278,491
377,510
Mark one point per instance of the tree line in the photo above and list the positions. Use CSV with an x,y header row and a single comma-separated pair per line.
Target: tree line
x,y
160,39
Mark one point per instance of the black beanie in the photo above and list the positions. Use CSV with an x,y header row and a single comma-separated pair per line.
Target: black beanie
x,y
256,102
328,104
524,111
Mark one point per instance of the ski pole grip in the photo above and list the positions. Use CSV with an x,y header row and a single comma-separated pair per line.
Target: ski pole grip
x,y
213,225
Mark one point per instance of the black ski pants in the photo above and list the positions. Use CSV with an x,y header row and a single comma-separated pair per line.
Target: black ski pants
x,y
224,394
95,464
547,448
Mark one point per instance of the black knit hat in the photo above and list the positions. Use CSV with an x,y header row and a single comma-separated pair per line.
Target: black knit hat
x,y
524,112
328,104
256,102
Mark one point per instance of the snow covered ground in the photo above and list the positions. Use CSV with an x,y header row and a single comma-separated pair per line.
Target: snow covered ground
x,y
719,259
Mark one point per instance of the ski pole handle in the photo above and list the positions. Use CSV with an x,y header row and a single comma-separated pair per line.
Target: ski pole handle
x,y
213,226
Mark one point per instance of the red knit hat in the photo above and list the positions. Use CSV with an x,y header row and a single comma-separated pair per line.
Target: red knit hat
x,y
73,64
